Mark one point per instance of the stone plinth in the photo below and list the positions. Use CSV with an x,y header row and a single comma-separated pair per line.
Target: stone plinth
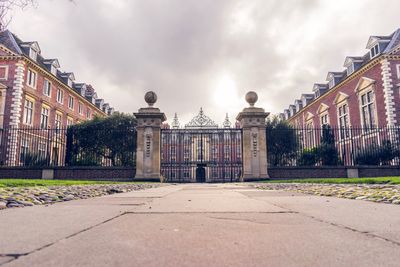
x,y
252,122
148,162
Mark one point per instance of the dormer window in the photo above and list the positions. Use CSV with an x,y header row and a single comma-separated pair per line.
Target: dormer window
x,y
350,69
374,51
33,54
69,82
53,70
331,82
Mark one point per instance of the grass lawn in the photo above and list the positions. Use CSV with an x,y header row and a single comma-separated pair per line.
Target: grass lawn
x,y
375,180
29,182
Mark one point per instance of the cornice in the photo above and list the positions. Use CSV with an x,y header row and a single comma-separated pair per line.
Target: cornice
x,y
54,79
348,79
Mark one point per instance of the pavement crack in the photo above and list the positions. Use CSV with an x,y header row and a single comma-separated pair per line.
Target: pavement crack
x,y
237,219
16,256
366,233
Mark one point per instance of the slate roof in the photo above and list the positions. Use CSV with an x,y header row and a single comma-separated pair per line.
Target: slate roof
x,y
365,59
13,43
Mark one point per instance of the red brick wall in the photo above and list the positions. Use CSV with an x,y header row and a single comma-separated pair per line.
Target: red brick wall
x,y
353,101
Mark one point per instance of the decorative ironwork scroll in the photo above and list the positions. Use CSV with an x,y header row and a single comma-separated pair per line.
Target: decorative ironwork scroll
x,y
201,121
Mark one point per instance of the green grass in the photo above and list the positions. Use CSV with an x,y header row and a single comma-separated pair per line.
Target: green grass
x,y
30,183
377,180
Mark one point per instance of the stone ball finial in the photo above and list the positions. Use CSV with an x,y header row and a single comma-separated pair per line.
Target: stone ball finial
x,y
251,98
151,98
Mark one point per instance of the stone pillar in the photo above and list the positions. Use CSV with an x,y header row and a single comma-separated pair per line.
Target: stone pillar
x,y
148,153
252,122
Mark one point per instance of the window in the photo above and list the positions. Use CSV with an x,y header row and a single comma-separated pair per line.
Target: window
x,y
33,54
80,108
310,134
70,121
398,71
69,82
24,149
3,72
42,148
88,114
53,70
71,102
44,118
350,69
368,110
331,82
343,117
32,78
375,51
324,119
58,120
47,87
60,96
28,112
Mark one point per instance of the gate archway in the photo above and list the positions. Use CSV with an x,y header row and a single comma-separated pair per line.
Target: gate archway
x,y
201,152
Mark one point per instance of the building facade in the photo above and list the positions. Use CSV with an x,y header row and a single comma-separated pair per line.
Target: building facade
x,y
365,94
36,94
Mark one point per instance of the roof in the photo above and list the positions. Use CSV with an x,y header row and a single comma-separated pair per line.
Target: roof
x,y
19,47
391,42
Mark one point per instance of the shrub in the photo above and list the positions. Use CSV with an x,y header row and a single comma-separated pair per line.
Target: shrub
x,y
308,157
33,159
376,154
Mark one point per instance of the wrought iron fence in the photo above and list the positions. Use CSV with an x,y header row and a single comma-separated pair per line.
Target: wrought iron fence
x,y
26,146
330,146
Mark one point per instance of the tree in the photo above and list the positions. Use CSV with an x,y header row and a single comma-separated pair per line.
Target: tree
x,y
327,152
103,141
282,142
6,6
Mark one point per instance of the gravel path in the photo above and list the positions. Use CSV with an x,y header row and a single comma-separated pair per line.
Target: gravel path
x,y
376,193
13,197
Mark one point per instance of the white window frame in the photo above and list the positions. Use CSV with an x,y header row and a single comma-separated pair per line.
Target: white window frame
x,y
58,120
371,109
310,134
28,112
343,115
31,79
47,88
44,117
71,102
332,83
398,71
33,54
375,51
324,118
350,69
42,149
80,108
60,96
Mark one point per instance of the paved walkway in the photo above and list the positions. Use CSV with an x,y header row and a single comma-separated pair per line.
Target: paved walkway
x,y
202,225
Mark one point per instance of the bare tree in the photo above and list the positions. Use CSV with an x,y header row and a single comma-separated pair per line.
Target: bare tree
x,y
6,7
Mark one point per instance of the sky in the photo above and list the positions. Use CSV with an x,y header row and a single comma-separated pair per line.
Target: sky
x,y
206,53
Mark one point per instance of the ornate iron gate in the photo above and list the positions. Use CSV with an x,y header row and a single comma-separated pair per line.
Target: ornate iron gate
x,y
201,155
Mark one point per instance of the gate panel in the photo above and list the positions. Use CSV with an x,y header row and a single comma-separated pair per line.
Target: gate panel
x,y
201,155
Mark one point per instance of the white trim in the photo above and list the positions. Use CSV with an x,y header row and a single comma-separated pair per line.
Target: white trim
x,y
388,92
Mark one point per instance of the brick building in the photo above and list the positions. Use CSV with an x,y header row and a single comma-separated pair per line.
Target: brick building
x,y
364,94
36,94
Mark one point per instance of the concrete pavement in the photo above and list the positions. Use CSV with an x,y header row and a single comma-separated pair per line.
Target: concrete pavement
x,y
202,225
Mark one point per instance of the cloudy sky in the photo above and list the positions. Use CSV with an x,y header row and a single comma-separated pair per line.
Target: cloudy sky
x,y
206,53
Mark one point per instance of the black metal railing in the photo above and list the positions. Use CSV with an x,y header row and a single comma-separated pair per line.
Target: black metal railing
x,y
330,146
26,146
